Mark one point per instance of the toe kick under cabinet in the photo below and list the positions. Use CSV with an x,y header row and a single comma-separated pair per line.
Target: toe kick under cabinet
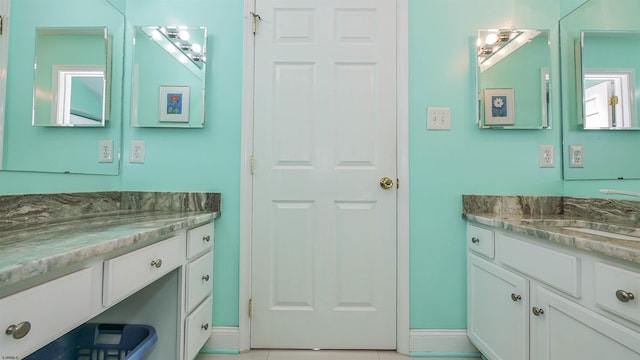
x,y
167,284
531,299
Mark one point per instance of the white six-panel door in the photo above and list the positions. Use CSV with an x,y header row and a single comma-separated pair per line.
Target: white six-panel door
x,y
324,230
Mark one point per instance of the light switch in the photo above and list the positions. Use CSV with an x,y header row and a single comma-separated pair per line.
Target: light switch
x,y
439,118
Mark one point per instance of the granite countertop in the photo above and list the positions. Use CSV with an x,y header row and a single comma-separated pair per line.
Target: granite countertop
x,y
49,233
27,253
547,218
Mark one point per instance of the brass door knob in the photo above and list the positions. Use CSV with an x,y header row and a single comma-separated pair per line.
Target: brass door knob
x,y
386,183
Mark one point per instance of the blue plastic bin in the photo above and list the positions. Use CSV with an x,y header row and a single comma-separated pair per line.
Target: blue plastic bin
x,y
100,341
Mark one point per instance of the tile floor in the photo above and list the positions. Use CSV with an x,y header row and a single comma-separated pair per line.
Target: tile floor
x,y
307,355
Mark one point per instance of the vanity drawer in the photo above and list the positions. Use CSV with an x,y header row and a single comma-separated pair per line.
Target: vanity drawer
x,y
130,272
199,280
198,328
199,240
554,268
480,240
51,309
617,290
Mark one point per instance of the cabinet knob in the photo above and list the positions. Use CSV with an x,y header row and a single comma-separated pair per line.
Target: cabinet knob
x,y
537,312
205,277
475,240
624,296
19,331
516,297
156,263
206,238
205,327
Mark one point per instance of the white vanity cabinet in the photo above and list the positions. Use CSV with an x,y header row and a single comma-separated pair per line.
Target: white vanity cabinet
x,y
498,310
541,301
166,284
198,300
32,318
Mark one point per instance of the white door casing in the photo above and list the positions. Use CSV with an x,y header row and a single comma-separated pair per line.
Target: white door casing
x,y
324,231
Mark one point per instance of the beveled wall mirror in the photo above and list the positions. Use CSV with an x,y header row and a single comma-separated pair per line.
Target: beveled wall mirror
x,y
71,76
609,61
513,78
169,67
599,47
73,67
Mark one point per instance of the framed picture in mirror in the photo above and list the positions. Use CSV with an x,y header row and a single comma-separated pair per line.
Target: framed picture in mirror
x,y
174,103
499,106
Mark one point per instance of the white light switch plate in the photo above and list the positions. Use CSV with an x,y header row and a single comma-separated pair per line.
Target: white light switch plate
x,y
439,118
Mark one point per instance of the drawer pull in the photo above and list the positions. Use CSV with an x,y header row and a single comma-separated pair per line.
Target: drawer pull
x,y
205,327
157,263
19,331
205,277
206,238
475,240
516,297
624,296
537,312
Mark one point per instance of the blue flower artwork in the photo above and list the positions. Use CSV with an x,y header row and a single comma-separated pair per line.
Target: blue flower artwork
x,y
174,103
499,106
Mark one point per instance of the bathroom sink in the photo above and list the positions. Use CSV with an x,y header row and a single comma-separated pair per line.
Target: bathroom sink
x,y
620,232
603,233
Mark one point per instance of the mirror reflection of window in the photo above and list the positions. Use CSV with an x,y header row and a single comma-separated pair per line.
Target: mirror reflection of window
x,y
70,77
609,61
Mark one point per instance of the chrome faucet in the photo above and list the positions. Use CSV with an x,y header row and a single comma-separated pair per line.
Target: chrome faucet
x,y
619,192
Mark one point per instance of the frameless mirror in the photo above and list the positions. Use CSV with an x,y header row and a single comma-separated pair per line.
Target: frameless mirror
x,y
609,62
71,76
513,79
169,67
600,67
73,67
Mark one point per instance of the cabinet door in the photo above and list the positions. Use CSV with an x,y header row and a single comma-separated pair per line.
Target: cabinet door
x,y
568,331
498,318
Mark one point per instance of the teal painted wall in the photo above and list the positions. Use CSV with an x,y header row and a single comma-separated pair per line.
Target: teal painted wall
x,y
443,165
205,159
465,160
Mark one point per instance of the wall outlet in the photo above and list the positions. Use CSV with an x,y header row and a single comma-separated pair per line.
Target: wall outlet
x,y
105,151
576,156
439,118
137,151
546,158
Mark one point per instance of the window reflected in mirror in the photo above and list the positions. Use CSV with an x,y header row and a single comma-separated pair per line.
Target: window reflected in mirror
x,y
71,75
513,79
609,62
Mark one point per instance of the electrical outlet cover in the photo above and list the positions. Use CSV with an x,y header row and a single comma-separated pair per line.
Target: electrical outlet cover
x,y
547,157
137,151
105,151
576,156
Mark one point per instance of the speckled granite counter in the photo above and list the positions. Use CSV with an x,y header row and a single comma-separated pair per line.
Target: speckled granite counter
x,y
539,216
48,232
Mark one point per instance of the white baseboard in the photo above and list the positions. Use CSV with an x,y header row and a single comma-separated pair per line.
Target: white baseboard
x,y
224,339
441,344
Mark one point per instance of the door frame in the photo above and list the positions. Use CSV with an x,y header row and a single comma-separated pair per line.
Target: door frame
x,y
402,163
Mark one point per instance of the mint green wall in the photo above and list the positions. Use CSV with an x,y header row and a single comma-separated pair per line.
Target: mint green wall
x,y
205,159
465,160
443,164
